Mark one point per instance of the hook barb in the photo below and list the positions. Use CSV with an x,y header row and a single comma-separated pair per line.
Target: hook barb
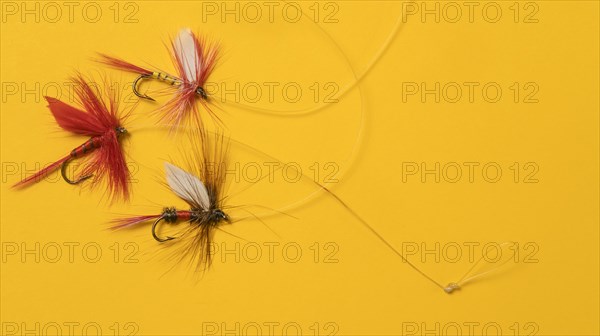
x,y
159,239
135,86
63,172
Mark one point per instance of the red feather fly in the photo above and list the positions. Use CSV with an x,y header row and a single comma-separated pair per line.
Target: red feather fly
x,y
194,59
202,190
102,123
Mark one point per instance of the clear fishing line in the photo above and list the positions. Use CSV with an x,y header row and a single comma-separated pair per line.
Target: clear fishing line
x,y
357,78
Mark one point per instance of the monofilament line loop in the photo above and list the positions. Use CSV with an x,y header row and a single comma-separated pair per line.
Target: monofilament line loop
x,y
451,287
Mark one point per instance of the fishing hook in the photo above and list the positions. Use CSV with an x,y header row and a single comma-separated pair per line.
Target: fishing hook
x,y
163,77
63,172
159,239
135,87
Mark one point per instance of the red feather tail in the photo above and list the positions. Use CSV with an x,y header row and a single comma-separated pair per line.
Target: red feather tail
x,y
40,174
126,222
123,65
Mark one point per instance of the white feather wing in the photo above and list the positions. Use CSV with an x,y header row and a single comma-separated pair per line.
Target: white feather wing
x,y
187,186
185,47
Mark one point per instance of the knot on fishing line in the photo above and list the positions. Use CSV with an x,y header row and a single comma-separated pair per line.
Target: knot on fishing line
x,y
451,287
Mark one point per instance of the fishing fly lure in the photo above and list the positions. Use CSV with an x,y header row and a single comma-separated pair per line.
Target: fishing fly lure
x,y
100,121
194,59
202,191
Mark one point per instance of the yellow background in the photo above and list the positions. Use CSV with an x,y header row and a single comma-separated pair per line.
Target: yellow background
x,y
370,52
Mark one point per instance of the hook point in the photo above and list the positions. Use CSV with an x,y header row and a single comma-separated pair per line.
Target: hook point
x,y
156,237
63,172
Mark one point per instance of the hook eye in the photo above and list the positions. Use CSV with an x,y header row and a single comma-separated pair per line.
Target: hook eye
x,y
121,130
200,90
